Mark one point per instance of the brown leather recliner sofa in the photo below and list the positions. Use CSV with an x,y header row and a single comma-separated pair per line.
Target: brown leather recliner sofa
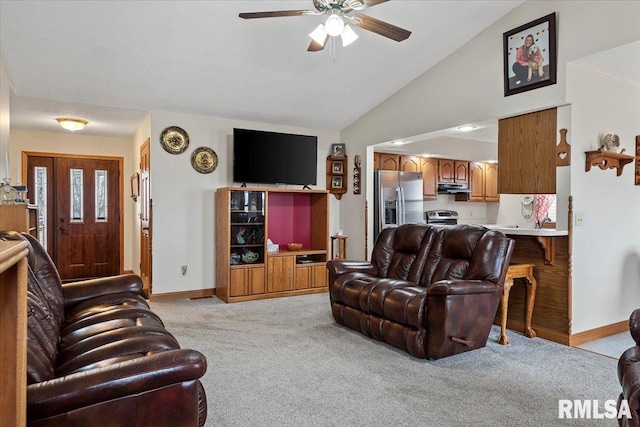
x,y
629,375
98,355
430,291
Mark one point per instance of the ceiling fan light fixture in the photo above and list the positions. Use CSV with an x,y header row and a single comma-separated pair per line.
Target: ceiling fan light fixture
x,y
348,36
334,25
72,124
319,34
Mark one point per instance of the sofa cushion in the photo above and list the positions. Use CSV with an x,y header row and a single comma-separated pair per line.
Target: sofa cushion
x,y
450,254
400,253
42,341
46,283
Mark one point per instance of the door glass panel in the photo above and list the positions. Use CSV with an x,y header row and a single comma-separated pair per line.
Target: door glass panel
x,y
77,182
101,196
40,173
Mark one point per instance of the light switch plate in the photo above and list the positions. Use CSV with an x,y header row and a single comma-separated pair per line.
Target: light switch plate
x,y
579,219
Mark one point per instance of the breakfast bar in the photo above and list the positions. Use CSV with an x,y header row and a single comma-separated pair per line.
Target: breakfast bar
x,y
549,252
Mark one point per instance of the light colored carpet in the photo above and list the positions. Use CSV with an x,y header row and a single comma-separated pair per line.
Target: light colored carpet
x,y
285,362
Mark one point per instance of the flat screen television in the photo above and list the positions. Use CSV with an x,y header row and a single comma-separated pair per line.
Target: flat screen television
x,y
261,157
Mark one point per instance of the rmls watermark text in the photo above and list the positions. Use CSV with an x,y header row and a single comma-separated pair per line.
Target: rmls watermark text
x,y
593,409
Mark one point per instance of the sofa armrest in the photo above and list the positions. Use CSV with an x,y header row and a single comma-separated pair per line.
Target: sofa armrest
x,y
338,267
82,389
461,287
634,325
76,292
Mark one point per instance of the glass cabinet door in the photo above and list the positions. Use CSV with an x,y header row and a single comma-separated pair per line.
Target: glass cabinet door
x,y
247,227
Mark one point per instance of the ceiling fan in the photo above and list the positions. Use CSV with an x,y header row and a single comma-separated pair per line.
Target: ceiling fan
x,y
339,11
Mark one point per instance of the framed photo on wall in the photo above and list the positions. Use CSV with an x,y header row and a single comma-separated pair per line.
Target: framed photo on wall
x,y
337,167
530,55
338,151
135,186
336,182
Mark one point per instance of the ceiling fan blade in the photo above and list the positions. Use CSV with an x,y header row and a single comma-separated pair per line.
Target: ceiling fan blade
x,y
314,46
380,27
275,14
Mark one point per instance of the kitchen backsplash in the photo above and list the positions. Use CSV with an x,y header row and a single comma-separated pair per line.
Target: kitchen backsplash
x,y
508,211
469,212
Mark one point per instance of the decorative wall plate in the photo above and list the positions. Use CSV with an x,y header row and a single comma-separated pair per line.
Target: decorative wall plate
x,y
204,160
174,140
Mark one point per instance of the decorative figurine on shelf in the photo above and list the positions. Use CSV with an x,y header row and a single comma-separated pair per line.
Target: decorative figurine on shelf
x,y
610,142
240,236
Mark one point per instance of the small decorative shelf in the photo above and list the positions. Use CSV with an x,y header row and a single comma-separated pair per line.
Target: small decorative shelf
x,y
337,175
606,159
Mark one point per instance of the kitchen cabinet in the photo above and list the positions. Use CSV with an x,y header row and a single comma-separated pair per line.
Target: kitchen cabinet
x,y
429,169
246,218
491,193
410,164
387,162
453,171
483,183
527,153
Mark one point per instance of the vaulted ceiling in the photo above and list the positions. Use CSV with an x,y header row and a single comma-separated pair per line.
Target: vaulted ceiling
x,y
110,62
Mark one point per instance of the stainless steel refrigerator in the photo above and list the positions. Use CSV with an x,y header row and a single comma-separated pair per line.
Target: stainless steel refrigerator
x,y
397,199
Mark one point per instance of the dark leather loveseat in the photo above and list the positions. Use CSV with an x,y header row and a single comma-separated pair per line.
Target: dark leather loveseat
x,y
629,375
430,291
98,356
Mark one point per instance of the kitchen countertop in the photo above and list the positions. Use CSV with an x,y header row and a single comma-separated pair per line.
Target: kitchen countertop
x,y
516,231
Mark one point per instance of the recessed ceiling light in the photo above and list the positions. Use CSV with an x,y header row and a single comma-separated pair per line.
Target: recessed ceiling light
x,y
398,142
466,128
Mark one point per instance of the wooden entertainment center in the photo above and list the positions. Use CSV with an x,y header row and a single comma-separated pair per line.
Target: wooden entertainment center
x,y
245,218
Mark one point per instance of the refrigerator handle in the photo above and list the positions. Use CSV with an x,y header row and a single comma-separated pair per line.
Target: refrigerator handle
x,y
380,203
399,206
402,202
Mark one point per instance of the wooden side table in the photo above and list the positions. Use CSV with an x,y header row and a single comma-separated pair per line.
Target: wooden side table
x,y
518,271
342,246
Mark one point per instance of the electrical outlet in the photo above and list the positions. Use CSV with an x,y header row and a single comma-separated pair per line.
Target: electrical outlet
x,y
579,219
183,270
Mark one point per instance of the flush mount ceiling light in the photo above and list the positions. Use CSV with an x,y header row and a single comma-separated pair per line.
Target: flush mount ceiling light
x,y
466,128
72,124
339,12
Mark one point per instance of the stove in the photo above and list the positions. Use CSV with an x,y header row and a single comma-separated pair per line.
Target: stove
x,y
441,217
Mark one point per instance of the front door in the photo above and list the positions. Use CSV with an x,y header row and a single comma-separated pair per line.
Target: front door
x,y
83,208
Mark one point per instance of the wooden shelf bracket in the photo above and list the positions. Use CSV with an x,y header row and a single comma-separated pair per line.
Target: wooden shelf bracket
x,y
605,159
548,246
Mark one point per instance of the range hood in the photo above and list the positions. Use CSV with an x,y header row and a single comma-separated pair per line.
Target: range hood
x,y
452,188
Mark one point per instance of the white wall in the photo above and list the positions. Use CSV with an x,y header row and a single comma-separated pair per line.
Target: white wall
x,y
606,249
449,94
5,117
76,143
184,200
